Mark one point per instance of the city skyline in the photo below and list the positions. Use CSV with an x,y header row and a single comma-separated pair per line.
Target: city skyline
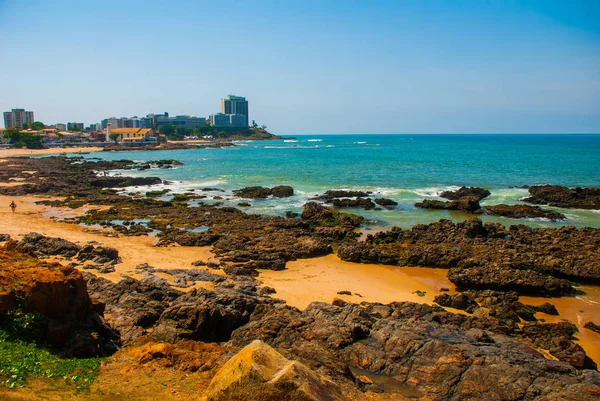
x,y
315,67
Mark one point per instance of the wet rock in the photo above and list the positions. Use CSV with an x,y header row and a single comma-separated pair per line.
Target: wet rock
x,y
523,212
263,192
41,246
282,191
554,195
475,192
592,326
547,308
260,372
333,194
4,237
466,204
361,203
387,203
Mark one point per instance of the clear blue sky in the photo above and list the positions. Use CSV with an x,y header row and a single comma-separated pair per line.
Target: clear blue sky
x,y
310,66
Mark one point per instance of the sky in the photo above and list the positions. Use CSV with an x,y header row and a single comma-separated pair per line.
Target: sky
x,y
309,66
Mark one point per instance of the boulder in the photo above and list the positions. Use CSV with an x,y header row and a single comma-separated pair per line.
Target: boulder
x,y
259,372
40,245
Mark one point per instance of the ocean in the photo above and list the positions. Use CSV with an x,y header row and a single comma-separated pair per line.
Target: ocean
x,y
405,168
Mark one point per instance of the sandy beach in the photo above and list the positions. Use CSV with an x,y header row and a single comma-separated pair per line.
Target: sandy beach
x,y
48,151
302,282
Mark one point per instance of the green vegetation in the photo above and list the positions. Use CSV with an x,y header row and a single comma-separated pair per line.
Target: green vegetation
x,y
420,293
23,139
254,132
37,125
20,359
114,137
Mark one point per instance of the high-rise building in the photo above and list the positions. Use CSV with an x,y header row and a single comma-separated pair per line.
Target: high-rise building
x,y
61,127
18,118
74,126
181,121
235,105
221,120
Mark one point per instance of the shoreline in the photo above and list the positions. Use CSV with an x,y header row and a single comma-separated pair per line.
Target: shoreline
x,y
46,151
321,278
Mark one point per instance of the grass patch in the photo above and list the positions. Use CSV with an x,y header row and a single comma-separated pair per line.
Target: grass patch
x,y
20,359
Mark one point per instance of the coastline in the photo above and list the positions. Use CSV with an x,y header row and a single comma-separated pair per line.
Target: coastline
x,y
302,282
46,151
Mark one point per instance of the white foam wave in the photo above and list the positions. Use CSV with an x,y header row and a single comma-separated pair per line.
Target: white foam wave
x,y
290,140
359,143
315,140
434,191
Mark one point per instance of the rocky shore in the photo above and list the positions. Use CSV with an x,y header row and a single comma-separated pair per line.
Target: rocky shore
x,y
339,350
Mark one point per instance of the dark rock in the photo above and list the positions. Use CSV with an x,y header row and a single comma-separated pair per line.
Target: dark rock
x,y
547,308
557,196
40,245
475,192
4,237
387,203
362,203
198,263
282,191
458,301
523,212
466,204
344,292
100,254
262,192
592,326
333,194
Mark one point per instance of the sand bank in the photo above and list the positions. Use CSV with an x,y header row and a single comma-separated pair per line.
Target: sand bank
x,y
133,250
320,279
49,151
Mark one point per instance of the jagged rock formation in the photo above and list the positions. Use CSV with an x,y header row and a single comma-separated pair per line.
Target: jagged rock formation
x,y
554,195
480,256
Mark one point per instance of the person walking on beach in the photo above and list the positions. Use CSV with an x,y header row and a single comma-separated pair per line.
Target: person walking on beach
x,y
13,206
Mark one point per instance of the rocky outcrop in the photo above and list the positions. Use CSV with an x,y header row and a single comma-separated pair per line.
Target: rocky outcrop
x,y
336,194
592,326
385,202
67,318
361,203
260,372
281,191
462,192
98,254
523,212
465,204
40,245
557,196
535,261
442,355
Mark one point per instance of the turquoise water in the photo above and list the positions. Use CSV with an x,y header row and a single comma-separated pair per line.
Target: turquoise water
x,y
406,168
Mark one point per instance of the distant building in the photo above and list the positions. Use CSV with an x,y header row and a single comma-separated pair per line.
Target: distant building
x,y
131,134
18,118
181,121
221,120
61,127
235,105
74,126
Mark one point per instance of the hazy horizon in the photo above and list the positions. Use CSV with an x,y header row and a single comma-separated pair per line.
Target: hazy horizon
x,y
310,68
